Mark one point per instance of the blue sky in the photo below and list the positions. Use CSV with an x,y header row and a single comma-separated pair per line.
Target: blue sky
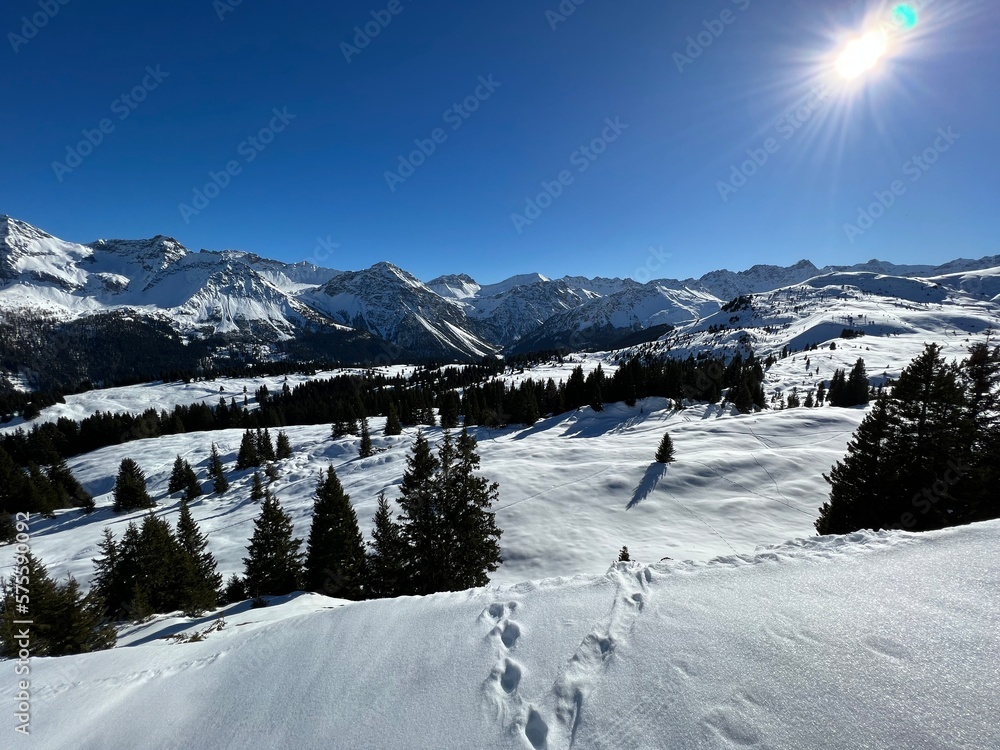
x,y
696,89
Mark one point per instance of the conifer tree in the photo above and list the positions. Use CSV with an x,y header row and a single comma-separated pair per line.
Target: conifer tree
x,y
392,425
335,551
366,450
78,625
69,491
284,449
107,581
265,446
202,580
624,555
192,487
130,488
257,488
178,477
475,535
665,451
160,567
273,565
217,472
248,457
387,553
419,520
856,388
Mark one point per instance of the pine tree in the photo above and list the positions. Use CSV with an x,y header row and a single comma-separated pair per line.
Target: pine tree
x,y
419,520
284,449
130,488
107,583
624,556
744,399
860,485
448,409
236,590
273,566
392,425
265,447
248,456
665,452
335,552
192,487
178,478
856,389
475,537
69,491
217,472
78,625
257,488
201,578
160,567
366,450
387,555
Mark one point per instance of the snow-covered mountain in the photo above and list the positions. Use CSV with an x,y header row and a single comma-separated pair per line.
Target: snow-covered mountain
x,y
267,308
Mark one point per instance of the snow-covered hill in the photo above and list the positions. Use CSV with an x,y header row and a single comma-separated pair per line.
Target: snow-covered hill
x,y
781,648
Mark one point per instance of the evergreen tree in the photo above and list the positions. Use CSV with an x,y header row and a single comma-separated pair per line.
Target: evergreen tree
x,y
257,488
69,492
248,456
448,409
860,485
392,425
265,446
192,487
160,568
419,521
107,583
856,388
624,556
388,552
201,579
335,551
366,450
130,488
838,389
178,477
665,451
236,590
284,449
474,537
78,625
217,472
273,566
744,399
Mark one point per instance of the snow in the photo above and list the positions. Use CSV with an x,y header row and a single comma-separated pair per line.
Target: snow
x,y
781,648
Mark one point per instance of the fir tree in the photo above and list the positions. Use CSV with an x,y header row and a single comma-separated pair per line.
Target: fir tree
x,y
335,551
284,449
178,477
273,566
248,456
624,556
236,590
665,451
107,583
265,446
392,425
69,492
419,521
78,625
130,488
202,580
366,450
217,472
856,388
192,487
257,488
475,537
387,555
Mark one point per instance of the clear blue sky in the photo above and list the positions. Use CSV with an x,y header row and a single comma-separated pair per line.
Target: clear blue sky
x,y
656,184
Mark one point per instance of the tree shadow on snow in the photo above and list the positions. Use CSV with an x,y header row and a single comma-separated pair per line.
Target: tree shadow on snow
x,y
652,477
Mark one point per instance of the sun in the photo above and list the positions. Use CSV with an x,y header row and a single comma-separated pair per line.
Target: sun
x,y
862,55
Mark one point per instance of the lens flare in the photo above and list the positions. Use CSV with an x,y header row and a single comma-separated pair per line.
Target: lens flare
x,y
861,55
905,16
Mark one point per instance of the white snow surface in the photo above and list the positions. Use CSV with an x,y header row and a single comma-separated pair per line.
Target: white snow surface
x,y
867,641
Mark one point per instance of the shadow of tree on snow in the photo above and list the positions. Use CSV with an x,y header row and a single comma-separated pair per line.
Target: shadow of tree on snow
x,y
652,477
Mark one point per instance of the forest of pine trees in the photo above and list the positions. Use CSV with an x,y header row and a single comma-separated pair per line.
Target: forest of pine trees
x,y
925,456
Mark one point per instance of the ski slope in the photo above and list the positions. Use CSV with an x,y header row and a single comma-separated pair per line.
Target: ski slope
x,y
868,641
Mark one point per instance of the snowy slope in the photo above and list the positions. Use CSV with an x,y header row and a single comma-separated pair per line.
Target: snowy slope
x,y
781,648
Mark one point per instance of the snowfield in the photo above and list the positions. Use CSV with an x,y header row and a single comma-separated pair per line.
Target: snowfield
x,y
867,641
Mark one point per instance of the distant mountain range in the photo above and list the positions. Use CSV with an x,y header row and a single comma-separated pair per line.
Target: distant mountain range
x,y
239,306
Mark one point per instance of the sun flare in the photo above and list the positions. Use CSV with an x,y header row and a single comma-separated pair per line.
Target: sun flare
x,y
862,55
